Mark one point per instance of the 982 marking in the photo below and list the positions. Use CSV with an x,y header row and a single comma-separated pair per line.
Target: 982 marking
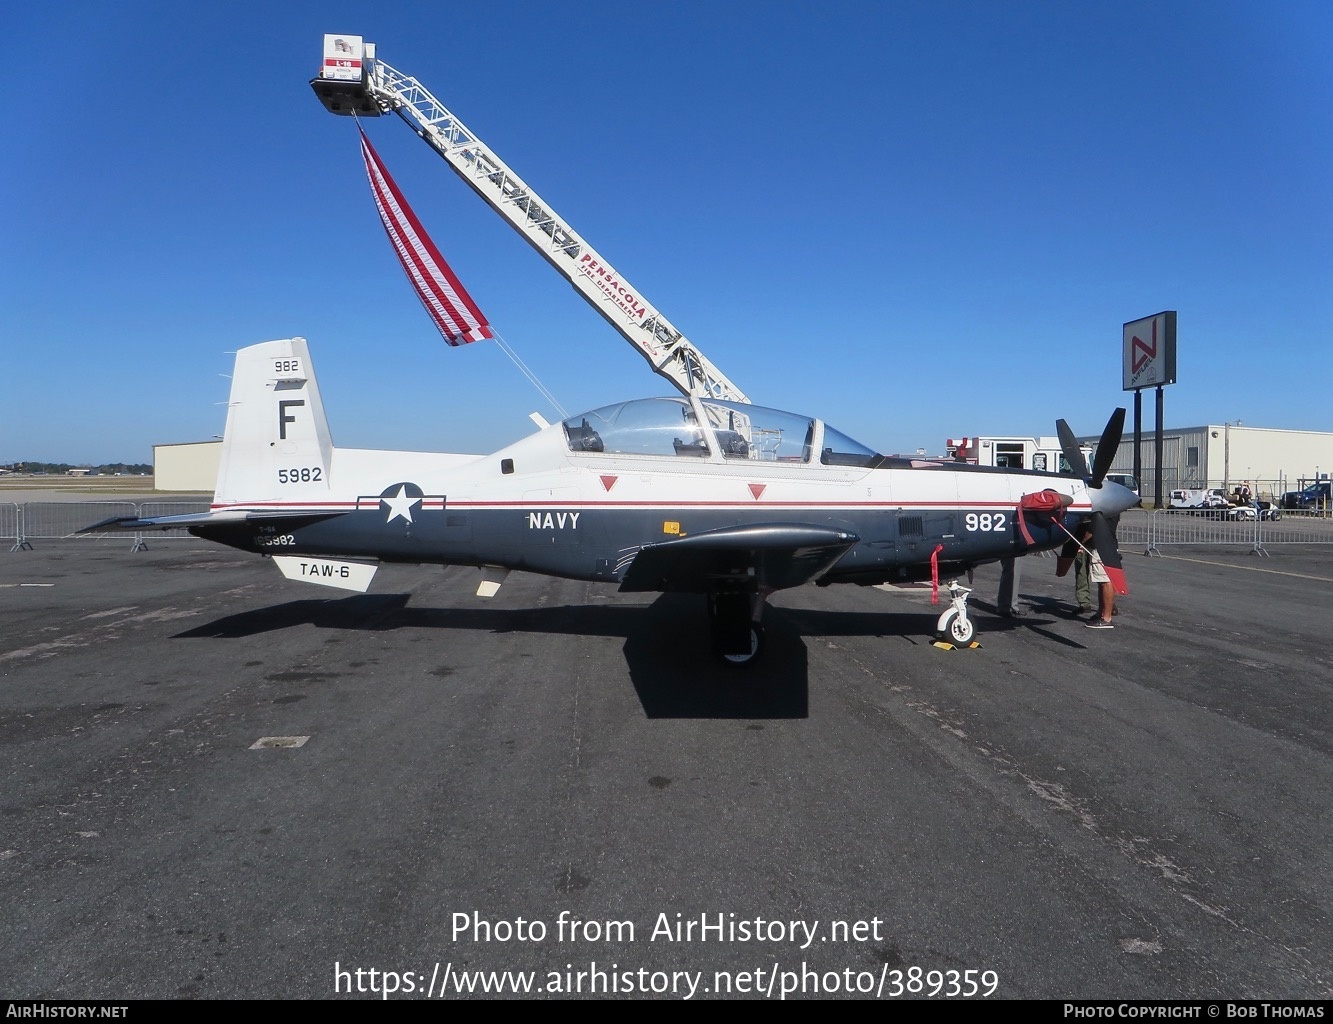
x,y
986,522
287,366
303,475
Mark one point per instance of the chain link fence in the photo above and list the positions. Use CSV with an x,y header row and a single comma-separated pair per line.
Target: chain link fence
x,y
1240,491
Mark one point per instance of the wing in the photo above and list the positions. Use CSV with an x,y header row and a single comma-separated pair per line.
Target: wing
x,y
773,555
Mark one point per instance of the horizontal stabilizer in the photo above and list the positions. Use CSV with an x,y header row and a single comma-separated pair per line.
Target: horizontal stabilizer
x,y
226,517
771,555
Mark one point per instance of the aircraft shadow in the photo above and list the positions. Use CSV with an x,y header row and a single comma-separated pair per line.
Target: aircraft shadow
x,y
665,645
676,676
1044,611
918,628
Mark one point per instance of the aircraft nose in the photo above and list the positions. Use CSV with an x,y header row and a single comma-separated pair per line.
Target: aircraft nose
x,y
1112,498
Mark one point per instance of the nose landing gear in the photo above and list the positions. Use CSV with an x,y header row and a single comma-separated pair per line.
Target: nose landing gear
x,y
954,625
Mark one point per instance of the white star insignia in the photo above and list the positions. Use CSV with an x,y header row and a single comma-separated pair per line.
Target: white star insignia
x,y
400,504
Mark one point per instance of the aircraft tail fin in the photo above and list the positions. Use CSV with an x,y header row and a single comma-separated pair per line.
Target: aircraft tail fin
x,y
277,445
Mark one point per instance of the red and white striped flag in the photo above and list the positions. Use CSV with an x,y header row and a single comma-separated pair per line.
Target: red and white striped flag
x,y
448,303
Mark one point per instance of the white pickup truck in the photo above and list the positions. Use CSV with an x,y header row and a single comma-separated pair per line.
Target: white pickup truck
x,y
1198,500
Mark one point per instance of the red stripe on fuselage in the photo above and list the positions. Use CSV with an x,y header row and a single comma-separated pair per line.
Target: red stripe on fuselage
x,y
766,506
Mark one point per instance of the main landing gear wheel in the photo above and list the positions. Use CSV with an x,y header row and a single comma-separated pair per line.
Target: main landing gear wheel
x,y
737,640
756,649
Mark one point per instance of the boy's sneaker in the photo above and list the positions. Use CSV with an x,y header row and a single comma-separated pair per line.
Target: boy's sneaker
x,y
1100,624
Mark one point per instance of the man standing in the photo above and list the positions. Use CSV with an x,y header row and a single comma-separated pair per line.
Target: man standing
x,y
1076,552
1004,601
1082,582
1105,592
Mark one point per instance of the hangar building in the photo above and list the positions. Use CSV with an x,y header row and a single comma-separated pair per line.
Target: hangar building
x,y
184,468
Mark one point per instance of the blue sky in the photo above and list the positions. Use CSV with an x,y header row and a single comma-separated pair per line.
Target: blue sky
x,y
917,220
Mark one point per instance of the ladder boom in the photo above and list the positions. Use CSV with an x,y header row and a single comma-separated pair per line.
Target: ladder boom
x,y
381,89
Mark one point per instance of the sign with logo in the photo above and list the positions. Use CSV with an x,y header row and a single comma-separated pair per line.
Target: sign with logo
x,y
342,58
1150,351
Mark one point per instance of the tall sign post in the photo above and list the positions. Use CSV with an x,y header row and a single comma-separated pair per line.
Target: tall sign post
x,y
1149,361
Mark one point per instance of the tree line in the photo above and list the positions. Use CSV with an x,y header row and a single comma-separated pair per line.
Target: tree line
x,y
57,468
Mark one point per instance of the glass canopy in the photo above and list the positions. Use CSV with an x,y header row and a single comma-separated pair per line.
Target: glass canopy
x,y
671,427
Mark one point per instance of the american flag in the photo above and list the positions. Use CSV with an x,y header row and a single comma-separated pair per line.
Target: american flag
x,y
446,300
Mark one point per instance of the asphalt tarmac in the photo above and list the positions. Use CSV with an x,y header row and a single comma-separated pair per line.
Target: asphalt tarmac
x,y
560,781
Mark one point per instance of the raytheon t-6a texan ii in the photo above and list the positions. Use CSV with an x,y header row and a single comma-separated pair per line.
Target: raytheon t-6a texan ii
x,y
724,499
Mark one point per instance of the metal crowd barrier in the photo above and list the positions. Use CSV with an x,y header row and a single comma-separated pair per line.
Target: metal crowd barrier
x,y
1163,527
62,520
1135,529
172,508
1296,530
11,524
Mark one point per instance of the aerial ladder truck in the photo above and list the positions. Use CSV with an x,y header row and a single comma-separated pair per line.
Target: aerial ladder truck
x,y
353,82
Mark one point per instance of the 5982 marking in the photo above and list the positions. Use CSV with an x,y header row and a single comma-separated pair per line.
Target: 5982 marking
x,y
303,475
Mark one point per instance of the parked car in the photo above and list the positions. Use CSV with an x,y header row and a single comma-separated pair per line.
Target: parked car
x,y
1316,495
1124,480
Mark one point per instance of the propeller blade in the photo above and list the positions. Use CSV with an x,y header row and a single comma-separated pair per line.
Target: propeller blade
x,y
1069,446
1106,447
1108,549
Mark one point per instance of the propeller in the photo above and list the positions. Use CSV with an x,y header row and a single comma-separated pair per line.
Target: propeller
x,y
1106,448
1072,452
1103,525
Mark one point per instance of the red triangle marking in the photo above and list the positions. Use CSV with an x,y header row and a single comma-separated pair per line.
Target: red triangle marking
x,y
757,490
609,481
